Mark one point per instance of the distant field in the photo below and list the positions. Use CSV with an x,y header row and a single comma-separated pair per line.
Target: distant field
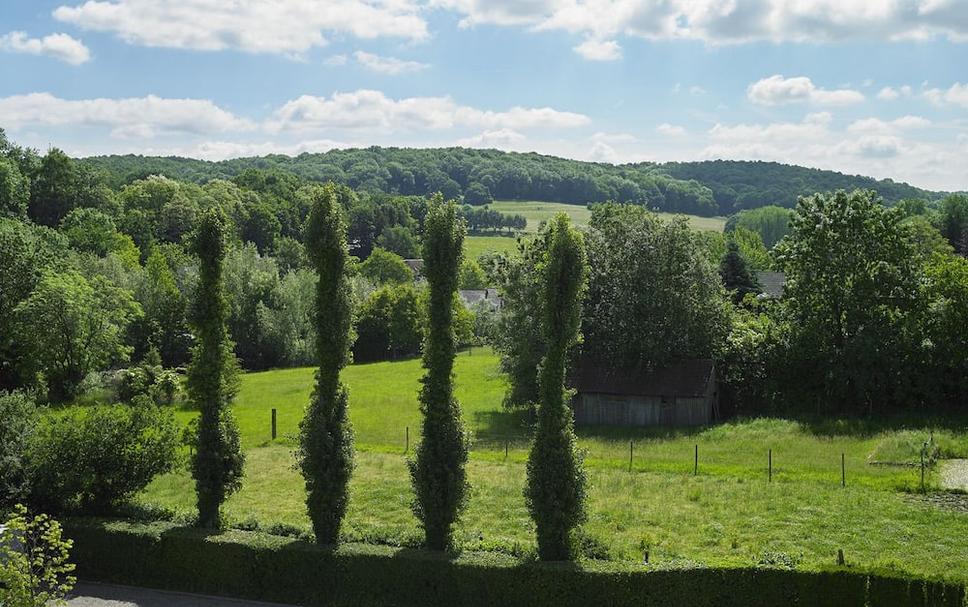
x,y
726,514
474,246
536,212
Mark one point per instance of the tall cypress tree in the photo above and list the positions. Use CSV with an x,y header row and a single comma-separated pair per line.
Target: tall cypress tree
x,y
555,493
437,472
218,463
326,445
736,274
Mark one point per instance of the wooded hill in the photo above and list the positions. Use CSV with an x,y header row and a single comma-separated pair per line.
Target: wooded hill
x,y
702,188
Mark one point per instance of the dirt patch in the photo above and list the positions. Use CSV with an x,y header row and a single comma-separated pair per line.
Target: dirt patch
x,y
957,502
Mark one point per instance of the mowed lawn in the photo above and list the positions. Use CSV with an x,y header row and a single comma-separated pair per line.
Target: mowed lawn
x,y
728,513
536,212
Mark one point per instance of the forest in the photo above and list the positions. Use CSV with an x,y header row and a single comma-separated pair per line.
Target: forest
x,y
479,176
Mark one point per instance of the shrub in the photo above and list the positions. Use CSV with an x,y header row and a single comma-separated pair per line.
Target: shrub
x,y
19,415
98,457
34,570
257,566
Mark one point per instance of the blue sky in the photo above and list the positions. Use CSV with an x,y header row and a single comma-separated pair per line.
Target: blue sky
x,y
875,87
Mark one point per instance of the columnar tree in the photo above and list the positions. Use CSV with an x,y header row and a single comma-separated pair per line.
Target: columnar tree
x,y
555,492
437,472
736,275
218,462
326,437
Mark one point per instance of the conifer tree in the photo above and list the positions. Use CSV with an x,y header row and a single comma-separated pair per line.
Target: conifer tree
x,y
218,463
736,274
326,437
555,491
437,472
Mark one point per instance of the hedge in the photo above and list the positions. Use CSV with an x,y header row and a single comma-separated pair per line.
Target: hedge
x,y
271,568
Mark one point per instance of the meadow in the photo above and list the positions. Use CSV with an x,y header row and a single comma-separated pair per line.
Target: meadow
x,y
538,212
728,511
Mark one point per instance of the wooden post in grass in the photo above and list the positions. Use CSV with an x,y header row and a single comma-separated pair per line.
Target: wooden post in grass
x,y
406,448
840,557
843,471
273,424
770,468
695,465
505,449
630,456
922,470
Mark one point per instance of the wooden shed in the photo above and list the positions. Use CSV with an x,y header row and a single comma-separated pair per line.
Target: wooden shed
x,y
681,394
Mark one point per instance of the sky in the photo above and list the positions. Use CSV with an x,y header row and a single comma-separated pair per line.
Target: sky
x,y
870,87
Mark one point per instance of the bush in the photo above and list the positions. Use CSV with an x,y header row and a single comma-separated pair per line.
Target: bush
x,y
264,567
98,457
34,571
19,415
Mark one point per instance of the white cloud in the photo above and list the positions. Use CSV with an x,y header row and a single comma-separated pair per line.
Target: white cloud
x,y
335,60
501,139
670,130
726,21
58,46
956,95
889,93
387,65
368,109
777,90
131,117
876,125
257,26
599,50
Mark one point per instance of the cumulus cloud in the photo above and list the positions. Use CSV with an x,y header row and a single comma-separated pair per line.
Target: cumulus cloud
x,y
777,90
599,50
670,130
368,109
956,95
257,26
387,65
876,125
58,46
130,117
726,22
504,139
889,93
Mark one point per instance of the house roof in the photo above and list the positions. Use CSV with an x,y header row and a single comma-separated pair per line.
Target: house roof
x,y
772,283
683,378
415,265
472,296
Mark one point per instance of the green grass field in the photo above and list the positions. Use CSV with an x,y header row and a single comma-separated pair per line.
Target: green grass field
x,y
727,514
536,212
474,246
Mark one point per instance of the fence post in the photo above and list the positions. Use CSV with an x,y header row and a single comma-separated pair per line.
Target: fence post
x,y
630,456
922,469
695,465
843,471
406,448
770,455
505,449
273,424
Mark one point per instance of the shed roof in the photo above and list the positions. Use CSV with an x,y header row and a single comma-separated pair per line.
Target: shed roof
x,y
772,283
683,378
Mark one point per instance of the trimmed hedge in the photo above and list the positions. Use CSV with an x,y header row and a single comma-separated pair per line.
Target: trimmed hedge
x,y
259,566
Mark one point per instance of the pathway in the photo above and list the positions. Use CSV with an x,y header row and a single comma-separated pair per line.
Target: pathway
x,y
87,594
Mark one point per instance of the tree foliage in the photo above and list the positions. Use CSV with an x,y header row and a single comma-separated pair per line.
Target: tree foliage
x,y
70,326
555,491
437,471
218,462
851,293
35,570
326,437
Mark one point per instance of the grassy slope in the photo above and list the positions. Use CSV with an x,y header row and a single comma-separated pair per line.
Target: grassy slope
x,y
536,212
729,513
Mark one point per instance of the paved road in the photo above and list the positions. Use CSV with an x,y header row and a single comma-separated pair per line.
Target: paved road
x,y
87,594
